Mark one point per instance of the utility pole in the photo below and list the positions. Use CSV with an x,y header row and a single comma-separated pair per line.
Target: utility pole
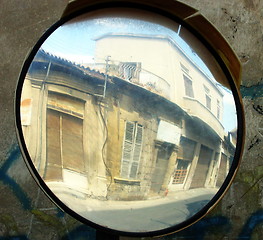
x,y
106,75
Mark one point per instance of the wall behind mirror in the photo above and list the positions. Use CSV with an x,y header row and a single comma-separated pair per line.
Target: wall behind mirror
x,y
129,124
33,217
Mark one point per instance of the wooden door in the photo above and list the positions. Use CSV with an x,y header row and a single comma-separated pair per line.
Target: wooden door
x,y
64,145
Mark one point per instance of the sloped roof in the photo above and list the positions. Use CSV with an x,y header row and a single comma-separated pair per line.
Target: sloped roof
x,y
46,56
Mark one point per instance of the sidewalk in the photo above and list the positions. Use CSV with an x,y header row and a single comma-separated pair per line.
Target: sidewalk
x,y
91,204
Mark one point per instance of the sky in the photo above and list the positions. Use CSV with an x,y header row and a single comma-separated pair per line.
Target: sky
x,y
75,42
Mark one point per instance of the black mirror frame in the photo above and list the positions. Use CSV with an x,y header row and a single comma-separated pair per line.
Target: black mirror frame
x,y
231,70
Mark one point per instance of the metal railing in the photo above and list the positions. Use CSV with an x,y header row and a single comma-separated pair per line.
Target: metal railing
x,y
132,72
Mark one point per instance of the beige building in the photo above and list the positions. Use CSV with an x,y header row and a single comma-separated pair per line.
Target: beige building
x,y
135,129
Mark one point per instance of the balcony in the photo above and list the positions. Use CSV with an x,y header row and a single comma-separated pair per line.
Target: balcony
x,y
132,72
195,108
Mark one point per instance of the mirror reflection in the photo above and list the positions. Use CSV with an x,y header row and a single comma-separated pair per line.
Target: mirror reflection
x,y
126,124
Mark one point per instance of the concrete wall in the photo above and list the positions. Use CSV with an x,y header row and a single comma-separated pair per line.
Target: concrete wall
x,y
25,213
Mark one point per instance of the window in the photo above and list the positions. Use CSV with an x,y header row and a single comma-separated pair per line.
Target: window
x,y
132,147
185,156
188,85
189,92
180,172
208,102
129,70
207,98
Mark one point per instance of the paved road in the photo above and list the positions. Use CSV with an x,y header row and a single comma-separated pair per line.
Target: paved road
x,y
137,218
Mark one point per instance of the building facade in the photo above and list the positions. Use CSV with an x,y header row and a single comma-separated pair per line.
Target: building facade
x,y
128,132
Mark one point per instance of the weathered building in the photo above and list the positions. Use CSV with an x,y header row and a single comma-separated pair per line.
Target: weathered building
x,y
94,134
159,64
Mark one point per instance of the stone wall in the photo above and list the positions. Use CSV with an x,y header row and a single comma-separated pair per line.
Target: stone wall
x,y
25,213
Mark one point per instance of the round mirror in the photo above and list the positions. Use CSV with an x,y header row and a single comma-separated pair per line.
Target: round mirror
x,y
129,121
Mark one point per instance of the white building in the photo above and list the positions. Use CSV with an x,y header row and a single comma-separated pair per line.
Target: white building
x,y
177,77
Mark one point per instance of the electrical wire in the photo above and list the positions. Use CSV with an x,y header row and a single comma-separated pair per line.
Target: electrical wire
x,y
103,148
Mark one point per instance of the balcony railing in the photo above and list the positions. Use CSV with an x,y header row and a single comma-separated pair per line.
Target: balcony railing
x,y
133,73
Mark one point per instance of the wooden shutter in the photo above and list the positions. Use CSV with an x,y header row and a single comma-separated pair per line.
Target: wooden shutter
x,y
136,152
131,150
127,149
72,143
53,171
64,135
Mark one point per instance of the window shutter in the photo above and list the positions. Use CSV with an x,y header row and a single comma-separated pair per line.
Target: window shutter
x,y
72,132
139,134
134,168
136,152
138,144
129,134
127,149
131,150
53,171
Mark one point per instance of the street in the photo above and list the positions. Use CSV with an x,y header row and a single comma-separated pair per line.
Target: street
x,y
149,215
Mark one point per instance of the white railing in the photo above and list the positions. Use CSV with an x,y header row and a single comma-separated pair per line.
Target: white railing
x,y
133,73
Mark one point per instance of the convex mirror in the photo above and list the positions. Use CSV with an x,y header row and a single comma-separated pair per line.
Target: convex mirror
x,y
129,119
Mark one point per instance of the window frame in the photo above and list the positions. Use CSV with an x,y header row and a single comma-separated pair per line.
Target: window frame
x,y
208,98
188,80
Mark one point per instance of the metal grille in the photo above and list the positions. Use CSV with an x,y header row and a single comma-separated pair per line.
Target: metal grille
x,y
179,176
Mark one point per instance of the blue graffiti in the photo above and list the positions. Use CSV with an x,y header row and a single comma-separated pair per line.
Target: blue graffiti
x,y
14,238
82,232
198,230
252,92
252,222
60,213
14,155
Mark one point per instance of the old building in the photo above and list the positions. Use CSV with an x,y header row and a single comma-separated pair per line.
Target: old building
x,y
159,64
126,131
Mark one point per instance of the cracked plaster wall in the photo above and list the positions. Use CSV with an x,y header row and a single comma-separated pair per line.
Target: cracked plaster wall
x,y
25,213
